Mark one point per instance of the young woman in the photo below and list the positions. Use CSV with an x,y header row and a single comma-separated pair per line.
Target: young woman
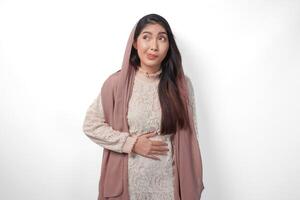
x,y
144,118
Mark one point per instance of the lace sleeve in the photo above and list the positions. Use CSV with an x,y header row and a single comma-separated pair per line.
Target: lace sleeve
x,y
192,103
103,134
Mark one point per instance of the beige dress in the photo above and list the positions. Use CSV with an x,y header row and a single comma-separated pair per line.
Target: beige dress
x,y
149,179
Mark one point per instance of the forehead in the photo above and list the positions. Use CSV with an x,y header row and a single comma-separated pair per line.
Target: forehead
x,y
154,29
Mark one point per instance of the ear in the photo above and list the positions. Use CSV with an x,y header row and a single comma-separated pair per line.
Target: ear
x,y
134,45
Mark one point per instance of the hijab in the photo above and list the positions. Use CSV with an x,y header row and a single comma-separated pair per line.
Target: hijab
x,y
187,168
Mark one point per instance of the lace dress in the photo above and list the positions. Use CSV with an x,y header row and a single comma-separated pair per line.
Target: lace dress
x,y
149,179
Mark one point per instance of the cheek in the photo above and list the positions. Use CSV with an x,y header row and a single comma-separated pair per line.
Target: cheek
x,y
142,46
165,49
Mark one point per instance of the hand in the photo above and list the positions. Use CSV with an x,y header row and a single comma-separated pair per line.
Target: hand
x,y
148,148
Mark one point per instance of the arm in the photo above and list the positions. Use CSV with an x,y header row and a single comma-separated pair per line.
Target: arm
x,y
101,133
192,103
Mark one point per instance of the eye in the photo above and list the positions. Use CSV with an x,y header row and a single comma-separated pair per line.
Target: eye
x,y
145,37
163,38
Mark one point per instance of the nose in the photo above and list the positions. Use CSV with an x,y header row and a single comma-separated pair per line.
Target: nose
x,y
154,45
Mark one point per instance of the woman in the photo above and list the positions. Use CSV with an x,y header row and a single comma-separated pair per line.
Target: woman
x,y
144,118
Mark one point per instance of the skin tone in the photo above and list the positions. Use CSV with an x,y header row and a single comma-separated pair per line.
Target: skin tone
x,y
153,39
149,148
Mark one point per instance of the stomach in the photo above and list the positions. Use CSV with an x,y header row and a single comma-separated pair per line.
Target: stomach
x,y
143,162
151,175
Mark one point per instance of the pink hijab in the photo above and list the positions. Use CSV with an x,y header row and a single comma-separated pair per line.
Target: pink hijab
x,y
115,94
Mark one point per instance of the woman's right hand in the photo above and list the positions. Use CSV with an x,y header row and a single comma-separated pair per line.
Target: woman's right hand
x,y
148,148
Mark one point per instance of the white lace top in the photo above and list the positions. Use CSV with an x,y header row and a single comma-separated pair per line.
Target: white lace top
x,y
149,179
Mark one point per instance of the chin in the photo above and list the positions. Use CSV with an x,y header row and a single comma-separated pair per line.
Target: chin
x,y
152,63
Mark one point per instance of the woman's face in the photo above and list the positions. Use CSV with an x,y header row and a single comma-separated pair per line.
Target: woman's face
x,y
152,46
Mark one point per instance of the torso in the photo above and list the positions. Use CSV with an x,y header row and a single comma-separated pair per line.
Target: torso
x,y
148,178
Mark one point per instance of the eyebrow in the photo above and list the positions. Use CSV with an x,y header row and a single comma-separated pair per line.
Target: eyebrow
x,y
151,33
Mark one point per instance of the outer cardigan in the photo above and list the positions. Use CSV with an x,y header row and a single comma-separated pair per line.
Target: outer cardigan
x,y
113,184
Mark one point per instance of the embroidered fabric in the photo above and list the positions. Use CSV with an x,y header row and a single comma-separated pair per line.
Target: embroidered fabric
x,y
149,179
99,131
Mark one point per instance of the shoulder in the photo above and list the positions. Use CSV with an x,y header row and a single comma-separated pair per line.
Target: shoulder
x,y
112,78
189,82
110,82
187,78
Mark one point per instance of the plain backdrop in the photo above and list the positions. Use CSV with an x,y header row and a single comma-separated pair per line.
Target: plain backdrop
x,y
243,58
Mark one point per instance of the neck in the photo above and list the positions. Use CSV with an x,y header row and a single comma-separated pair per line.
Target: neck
x,y
150,70
144,75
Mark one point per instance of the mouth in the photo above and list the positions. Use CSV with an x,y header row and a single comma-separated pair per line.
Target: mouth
x,y
151,56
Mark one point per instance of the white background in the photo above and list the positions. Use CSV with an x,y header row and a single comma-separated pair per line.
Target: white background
x,y
243,58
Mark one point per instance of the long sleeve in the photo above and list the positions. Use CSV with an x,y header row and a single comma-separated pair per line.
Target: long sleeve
x,y
103,134
192,102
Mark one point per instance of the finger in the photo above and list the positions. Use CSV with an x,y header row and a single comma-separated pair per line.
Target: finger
x,y
150,134
157,148
159,152
152,156
159,143
143,135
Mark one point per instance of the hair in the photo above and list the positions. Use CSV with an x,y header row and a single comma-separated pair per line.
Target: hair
x,y
174,111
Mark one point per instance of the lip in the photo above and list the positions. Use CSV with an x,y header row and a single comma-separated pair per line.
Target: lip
x,y
152,56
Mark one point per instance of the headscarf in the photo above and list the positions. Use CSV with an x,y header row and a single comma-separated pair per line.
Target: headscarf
x,y
187,166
